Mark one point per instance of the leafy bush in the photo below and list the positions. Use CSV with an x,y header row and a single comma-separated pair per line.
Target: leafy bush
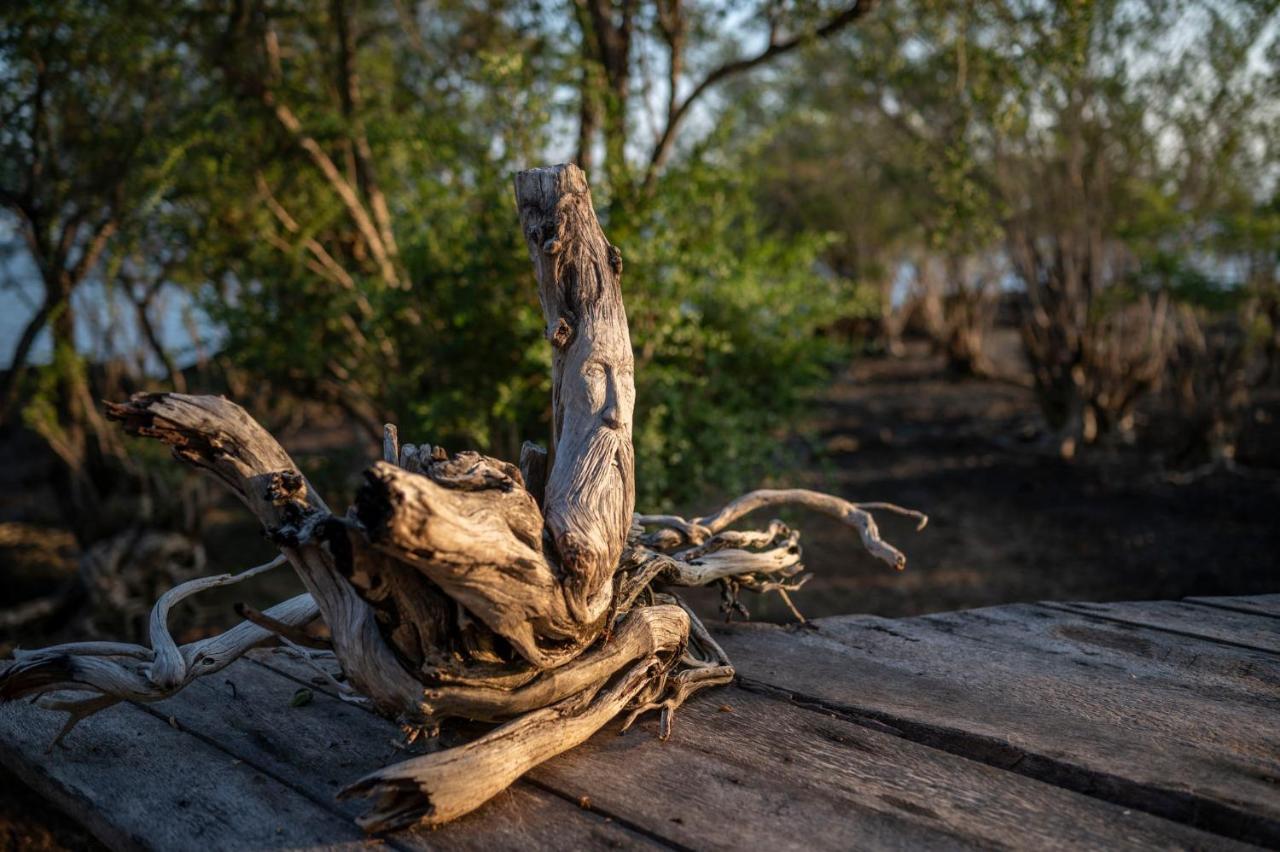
x,y
338,193
724,318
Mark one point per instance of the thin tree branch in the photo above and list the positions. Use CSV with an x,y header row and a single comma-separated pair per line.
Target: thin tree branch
x,y
352,103
18,362
666,142
346,192
57,295
326,264
142,305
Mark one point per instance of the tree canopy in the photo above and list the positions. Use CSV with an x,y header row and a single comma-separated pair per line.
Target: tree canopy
x,y
330,180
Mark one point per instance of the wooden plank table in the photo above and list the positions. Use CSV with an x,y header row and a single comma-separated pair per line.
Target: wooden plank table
x,y
1131,725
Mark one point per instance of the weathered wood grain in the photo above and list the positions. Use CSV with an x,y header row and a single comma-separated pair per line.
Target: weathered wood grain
x,y
590,495
1189,619
1255,604
767,773
137,783
218,436
1178,727
325,744
863,732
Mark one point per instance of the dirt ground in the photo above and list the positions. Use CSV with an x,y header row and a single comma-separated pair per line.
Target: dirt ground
x,y
1008,520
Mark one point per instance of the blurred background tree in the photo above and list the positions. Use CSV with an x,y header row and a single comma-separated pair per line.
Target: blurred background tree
x,y
365,241
1091,157
97,116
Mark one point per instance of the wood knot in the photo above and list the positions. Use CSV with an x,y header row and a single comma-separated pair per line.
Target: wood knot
x,y
575,556
286,486
562,334
615,260
550,234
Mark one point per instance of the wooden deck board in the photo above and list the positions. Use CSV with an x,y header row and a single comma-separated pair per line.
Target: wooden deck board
x,y
1190,619
137,783
1143,725
748,775
1182,728
770,774
326,744
1256,605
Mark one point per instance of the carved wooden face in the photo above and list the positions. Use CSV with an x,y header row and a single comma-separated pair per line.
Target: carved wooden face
x,y
591,490
599,384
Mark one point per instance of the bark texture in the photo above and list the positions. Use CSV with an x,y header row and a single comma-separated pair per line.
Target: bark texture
x,y
460,586
590,493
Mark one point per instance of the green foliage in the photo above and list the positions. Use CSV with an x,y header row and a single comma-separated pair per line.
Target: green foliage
x,y
1100,151
455,356
237,148
41,414
724,317
724,313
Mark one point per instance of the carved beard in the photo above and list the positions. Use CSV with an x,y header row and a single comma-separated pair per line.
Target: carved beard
x,y
588,512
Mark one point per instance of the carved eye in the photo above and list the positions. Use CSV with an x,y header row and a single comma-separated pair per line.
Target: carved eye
x,y
594,371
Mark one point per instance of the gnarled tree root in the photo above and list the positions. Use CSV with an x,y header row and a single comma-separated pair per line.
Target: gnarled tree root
x,y
644,632
117,671
467,587
439,787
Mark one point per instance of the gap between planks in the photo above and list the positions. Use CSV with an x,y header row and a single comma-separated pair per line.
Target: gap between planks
x,y
992,753
1182,806
1083,611
1216,603
245,807
1001,755
957,743
853,805
620,820
260,767
331,742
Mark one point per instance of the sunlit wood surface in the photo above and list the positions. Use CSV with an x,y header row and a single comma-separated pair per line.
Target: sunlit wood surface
x,y
1153,724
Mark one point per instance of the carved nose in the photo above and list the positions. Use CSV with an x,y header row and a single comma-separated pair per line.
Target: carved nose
x,y
611,417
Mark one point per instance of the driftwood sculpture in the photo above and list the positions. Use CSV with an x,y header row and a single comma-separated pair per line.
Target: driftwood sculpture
x,y
462,586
